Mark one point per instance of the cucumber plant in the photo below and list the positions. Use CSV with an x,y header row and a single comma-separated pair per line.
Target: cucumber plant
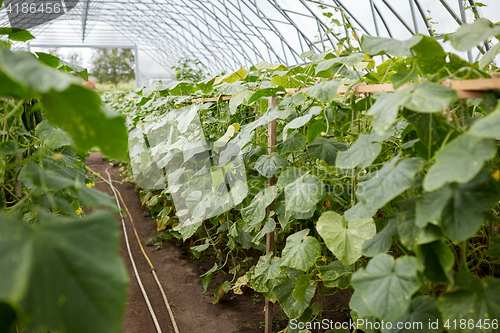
x,y
60,269
394,196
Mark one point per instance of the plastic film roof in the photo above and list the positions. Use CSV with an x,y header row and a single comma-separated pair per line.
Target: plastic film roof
x,y
226,34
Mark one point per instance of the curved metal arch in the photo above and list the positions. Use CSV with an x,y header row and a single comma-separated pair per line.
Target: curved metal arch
x,y
261,36
191,24
223,57
152,26
253,47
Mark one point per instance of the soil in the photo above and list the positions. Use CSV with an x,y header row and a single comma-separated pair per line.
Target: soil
x,y
178,272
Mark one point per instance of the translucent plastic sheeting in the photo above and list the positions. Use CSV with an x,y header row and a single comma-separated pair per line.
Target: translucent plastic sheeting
x,y
170,153
225,34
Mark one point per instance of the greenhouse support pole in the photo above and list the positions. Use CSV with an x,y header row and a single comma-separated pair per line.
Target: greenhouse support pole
x,y
464,20
136,70
271,143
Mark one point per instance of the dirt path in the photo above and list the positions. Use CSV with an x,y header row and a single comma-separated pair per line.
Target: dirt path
x,y
193,312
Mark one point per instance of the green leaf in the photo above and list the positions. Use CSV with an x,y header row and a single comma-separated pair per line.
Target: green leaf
x,y
358,304
381,242
431,97
48,59
378,46
53,137
284,295
387,285
324,92
289,176
33,176
285,81
293,142
303,284
466,208
362,153
268,227
67,104
303,194
359,211
179,88
90,197
254,213
239,99
68,67
267,269
77,258
393,179
188,228
207,276
301,251
336,275
459,161
472,299
239,75
385,109
430,55
410,234
326,150
264,92
430,206
438,260
301,121
402,76
80,113
350,60
268,165
470,35
17,35
24,69
345,239
315,128
489,126
270,67
489,56
421,122
422,313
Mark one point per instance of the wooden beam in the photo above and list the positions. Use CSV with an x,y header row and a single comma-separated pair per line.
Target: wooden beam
x,y
465,89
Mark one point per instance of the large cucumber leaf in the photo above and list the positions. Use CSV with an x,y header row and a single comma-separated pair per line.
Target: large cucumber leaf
x,y
387,285
77,258
268,165
345,239
302,195
301,251
459,161
471,299
470,35
389,182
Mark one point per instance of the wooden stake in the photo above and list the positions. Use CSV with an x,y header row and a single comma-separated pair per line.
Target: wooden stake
x,y
271,143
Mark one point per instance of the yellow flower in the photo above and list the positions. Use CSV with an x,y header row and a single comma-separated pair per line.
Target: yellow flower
x,y
58,156
323,258
89,185
319,275
177,106
496,175
79,211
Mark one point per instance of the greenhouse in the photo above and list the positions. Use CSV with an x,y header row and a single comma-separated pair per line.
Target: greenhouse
x,y
225,166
